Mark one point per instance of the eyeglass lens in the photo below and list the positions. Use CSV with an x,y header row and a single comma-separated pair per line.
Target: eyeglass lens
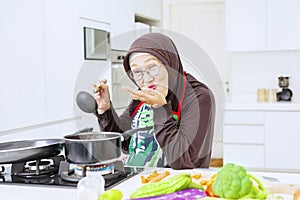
x,y
139,74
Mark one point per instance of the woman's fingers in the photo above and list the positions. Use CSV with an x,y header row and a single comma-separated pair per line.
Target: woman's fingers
x,y
151,92
148,96
102,96
135,94
129,90
101,86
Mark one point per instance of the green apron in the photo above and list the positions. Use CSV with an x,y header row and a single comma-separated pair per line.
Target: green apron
x,y
143,148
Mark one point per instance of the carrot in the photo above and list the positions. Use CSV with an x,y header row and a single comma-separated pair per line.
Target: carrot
x,y
196,176
203,182
160,177
144,180
147,179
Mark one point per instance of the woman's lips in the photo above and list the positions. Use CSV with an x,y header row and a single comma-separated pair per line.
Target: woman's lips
x,y
153,87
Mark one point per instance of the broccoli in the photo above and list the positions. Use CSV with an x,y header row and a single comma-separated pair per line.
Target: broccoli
x,y
233,182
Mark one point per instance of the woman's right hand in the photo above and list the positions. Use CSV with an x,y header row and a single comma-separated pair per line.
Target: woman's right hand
x,y
102,96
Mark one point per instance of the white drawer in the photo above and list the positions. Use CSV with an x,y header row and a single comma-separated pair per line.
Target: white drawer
x,y
249,156
246,134
244,117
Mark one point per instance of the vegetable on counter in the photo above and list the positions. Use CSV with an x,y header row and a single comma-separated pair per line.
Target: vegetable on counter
x,y
196,176
208,184
173,184
111,194
233,182
191,194
155,177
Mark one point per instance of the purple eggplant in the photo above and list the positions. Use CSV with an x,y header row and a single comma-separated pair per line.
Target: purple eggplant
x,y
188,194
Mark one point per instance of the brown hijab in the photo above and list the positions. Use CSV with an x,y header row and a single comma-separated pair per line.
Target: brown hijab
x,y
164,49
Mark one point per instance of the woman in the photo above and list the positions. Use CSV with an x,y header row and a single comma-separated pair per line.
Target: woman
x,y
180,108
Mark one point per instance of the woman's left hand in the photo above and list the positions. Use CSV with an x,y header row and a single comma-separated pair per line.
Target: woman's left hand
x,y
149,96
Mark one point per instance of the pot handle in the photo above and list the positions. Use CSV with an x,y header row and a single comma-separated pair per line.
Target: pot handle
x,y
84,130
126,135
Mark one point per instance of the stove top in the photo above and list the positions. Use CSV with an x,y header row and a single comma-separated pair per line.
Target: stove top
x,y
57,172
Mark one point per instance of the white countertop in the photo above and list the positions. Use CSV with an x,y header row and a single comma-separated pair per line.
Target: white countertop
x,y
16,192
271,106
32,192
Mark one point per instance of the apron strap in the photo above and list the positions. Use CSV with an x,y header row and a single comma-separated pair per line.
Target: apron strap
x,y
178,113
136,109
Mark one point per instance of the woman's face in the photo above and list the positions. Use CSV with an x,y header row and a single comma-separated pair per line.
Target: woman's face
x,y
149,72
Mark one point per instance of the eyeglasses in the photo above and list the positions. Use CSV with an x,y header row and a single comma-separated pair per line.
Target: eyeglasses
x,y
152,70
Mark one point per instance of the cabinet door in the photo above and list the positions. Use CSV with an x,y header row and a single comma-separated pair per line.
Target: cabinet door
x,y
282,140
122,24
246,25
244,134
244,138
246,155
283,28
62,56
22,76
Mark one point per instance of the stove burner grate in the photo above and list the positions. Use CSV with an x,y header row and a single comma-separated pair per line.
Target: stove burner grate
x,y
41,165
37,169
27,173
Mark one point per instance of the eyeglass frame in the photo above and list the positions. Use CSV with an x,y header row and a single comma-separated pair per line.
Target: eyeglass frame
x,y
131,73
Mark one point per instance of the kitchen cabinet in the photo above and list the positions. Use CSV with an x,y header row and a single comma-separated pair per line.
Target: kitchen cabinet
x,y
122,24
246,25
243,138
40,58
262,25
283,27
282,140
62,56
22,77
262,137
98,10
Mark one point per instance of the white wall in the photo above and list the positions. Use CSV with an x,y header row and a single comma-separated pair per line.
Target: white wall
x,y
261,70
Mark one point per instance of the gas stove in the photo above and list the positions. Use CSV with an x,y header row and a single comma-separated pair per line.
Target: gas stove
x,y
55,171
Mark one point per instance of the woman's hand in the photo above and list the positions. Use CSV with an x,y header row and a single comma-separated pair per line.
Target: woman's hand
x,y
102,96
149,96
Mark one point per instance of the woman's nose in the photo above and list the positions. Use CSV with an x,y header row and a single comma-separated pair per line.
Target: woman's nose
x,y
147,77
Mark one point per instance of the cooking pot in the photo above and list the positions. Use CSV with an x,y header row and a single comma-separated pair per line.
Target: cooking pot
x,y
96,147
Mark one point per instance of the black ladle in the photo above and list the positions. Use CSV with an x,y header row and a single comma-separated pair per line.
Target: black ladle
x,y
86,102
